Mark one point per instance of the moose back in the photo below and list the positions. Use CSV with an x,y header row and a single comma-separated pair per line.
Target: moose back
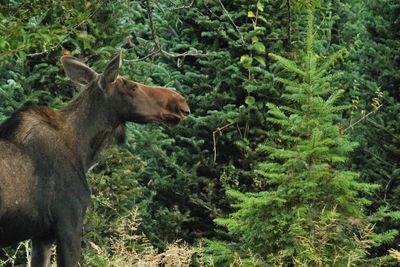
x,y
44,155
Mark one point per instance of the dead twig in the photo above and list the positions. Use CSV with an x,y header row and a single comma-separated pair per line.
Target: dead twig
x,y
182,7
387,188
152,53
363,118
219,130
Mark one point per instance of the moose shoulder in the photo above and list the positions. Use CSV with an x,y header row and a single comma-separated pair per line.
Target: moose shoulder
x,y
46,153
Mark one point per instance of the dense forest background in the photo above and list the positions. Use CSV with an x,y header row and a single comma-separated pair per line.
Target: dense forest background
x,y
291,156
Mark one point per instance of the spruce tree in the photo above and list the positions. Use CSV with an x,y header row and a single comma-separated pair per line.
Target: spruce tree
x,y
311,211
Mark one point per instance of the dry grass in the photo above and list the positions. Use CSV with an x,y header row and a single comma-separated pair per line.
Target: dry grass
x,y
128,248
394,254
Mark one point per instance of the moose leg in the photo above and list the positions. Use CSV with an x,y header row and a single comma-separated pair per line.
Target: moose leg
x,y
68,250
68,231
41,251
68,244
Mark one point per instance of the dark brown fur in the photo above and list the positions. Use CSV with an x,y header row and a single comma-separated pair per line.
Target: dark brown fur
x,y
46,153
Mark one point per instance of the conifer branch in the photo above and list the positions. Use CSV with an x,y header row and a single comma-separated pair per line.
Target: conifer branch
x,y
288,64
310,28
330,61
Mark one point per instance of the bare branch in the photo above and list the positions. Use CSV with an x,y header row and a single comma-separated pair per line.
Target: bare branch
x,y
362,118
157,43
182,7
387,188
219,130
233,23
153,53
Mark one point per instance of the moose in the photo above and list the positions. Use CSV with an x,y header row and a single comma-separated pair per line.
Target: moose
x,y
45,153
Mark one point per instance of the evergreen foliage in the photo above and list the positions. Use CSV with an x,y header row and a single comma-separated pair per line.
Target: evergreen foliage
x,y
267,169
311,204
371,30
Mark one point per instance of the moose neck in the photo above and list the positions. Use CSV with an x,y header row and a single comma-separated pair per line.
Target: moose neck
x,y
90,123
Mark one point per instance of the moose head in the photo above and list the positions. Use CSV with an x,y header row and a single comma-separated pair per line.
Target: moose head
x,y
129,100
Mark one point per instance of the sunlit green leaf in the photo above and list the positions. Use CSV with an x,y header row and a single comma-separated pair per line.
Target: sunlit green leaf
x,y
260,6
251,14
250,100
260,59
259,47
246,60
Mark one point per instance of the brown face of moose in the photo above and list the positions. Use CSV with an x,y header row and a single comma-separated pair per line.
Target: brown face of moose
x,y
131,101
142,104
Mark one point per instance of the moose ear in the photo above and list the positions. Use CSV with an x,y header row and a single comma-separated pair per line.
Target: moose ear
x,y
77,71
111,72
